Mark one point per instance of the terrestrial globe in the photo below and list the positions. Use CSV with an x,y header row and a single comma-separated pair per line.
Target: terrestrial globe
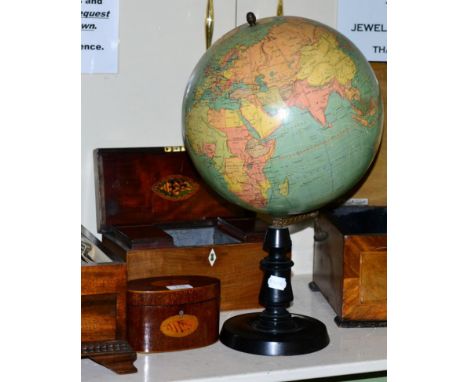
x,y
282,117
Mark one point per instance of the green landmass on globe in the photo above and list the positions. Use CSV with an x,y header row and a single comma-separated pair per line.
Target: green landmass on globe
x,y
282,117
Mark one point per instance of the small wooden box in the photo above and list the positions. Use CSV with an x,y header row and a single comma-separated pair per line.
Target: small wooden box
x,y
350,264
173,313
103,306
103,293
157,213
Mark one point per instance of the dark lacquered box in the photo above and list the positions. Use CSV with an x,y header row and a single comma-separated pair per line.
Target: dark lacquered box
x,y
158,214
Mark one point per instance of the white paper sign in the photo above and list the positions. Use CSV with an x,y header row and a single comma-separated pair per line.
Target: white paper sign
x,y
364,22
99,36
275,282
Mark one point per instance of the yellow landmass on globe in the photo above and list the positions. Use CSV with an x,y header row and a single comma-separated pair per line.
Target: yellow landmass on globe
x,y
203,137
234,174
263,123
228,74
264,187
284,187
224,118
198,126
324,62
275,58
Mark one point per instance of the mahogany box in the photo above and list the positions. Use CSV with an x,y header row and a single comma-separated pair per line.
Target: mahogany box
x,y
157,213
172,313
103,307
350,264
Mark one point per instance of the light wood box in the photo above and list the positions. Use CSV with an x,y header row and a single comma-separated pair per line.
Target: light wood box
x,y
350,264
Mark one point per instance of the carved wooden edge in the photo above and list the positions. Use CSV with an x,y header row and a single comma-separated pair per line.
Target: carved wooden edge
x,y
116,355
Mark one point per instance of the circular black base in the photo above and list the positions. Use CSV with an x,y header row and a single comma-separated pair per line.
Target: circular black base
x,y
306,335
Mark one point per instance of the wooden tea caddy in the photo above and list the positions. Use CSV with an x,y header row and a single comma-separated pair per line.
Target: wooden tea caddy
x,y
170,313
156,212
103,307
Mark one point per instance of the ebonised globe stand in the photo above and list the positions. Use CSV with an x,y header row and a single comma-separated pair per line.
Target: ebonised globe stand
x,y
275,331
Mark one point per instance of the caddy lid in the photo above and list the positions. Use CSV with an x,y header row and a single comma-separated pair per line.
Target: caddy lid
x,y
170,290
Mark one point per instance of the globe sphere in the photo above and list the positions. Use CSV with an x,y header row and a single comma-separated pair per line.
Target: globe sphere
x,y
282,117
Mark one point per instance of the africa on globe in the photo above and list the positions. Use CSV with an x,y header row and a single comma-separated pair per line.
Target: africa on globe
x,y
282,117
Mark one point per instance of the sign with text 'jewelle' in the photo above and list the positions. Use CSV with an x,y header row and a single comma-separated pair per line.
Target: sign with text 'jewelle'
x,y
364,22
99,36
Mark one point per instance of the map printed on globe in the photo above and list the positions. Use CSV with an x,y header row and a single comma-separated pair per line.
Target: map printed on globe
x,y
282,117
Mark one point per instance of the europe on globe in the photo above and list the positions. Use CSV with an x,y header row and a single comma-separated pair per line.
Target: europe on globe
x,y
282,117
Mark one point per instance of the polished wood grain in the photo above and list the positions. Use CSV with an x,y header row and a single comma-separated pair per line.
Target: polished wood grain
x,y
160,319
102,284
365,278
98,317
125,189
350,270
103,312
236,265
373,276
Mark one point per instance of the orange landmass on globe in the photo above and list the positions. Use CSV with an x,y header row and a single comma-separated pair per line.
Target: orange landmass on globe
x,y
199,129
246,178
276,58
324,62
314,99
209,149
308,53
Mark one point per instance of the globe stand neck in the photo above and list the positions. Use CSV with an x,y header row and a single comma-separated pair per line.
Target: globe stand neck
x,y
294,219
275,331
276,288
